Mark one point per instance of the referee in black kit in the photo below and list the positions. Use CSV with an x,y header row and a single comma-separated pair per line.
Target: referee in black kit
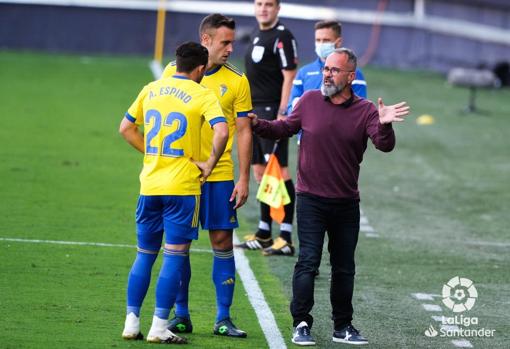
x,y
271,63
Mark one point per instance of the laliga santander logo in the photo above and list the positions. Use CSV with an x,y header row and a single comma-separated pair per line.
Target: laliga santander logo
x,y
459,294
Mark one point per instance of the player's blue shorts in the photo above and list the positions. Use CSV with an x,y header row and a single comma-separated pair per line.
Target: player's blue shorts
x,y
216,212
177,215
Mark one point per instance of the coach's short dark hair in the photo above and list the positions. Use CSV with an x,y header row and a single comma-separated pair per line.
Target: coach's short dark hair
x,y
190,55
333,25
215,21
351,56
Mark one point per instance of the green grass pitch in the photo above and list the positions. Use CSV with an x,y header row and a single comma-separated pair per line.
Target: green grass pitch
x,y
439,204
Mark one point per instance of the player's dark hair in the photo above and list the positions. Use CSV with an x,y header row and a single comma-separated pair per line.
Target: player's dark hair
x,y
190,55
333,25
215,21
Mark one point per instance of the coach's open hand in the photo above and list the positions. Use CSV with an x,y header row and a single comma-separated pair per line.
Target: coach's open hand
x,y
392,113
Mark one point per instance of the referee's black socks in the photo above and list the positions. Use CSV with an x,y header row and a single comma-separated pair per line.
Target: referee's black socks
x,y
264,231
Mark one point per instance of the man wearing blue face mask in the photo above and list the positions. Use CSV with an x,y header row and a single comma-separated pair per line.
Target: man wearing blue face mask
x,y
328,36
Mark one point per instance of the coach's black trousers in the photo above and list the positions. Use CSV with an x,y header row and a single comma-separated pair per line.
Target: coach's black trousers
x,y
340,218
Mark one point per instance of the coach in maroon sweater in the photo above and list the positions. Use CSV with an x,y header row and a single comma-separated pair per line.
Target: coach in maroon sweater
x,y
336,126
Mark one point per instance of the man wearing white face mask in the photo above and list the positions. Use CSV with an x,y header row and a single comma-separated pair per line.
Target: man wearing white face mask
x,y
328,36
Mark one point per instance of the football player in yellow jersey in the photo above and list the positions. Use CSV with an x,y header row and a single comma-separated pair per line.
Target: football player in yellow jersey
x,y
220,197
172,112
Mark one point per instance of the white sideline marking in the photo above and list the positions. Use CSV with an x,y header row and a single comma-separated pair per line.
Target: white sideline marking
x,y
424,296
372,235
462,343
258,302
83,243
431,307
365,227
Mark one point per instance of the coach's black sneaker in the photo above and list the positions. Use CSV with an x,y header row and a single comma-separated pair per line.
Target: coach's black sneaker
x,y
302,335
349,335
180,325
227,328
280,248
252,242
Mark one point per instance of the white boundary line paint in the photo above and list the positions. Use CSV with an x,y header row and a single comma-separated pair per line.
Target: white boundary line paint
x,y
258,302
432,307
84,243
437,318
462,343
372,235
425,296
365,227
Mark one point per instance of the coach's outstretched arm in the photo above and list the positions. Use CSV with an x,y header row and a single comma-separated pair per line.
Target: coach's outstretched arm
x,y
220,139
276,129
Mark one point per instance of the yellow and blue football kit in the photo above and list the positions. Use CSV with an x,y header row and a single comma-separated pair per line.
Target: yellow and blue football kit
x,y
172,111
232,89
216,211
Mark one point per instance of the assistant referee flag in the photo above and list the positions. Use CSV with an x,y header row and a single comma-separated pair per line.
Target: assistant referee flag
x,y
272,190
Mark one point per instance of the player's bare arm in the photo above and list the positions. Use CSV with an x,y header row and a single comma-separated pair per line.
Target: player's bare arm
x,y
129,131
220,139
244,151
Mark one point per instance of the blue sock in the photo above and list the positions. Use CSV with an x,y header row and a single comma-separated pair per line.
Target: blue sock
x,y
168,281
138,280
224,275
181,303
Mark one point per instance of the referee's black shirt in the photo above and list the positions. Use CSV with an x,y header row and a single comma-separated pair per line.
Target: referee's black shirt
x,y
269,52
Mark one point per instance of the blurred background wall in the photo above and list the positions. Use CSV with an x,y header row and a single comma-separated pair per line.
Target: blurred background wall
x,y
424,34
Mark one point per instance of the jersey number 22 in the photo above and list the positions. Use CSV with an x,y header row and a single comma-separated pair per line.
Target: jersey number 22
x,y
166,146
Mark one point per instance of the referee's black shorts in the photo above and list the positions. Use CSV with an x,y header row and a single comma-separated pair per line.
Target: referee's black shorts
x,y
262,147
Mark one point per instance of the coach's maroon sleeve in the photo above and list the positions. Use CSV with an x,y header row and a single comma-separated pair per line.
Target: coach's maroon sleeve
x,y
277,129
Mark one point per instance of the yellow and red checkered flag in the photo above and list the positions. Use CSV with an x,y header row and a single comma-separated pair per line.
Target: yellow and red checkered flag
x,y
272,190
